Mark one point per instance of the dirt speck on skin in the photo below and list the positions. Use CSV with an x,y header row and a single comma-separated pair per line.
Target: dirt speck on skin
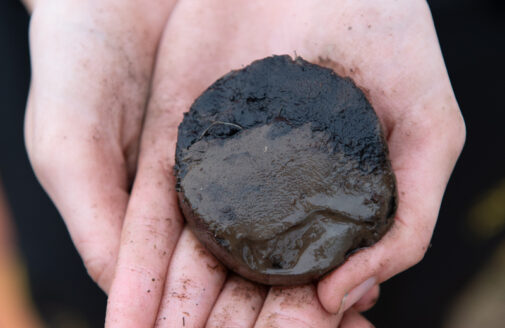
x,y
272,321
181,290
245,292
297,297
366,91
201,251
213,267
328,63
179,296
186,283
341,70
224,317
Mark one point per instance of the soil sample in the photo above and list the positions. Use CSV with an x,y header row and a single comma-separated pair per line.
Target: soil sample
x,y
283,171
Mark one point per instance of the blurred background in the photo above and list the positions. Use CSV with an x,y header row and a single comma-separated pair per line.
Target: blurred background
x,y
459,284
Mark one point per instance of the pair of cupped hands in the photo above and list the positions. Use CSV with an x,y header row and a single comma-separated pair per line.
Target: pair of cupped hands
x,y
111,80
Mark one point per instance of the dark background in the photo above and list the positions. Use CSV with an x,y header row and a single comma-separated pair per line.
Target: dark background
x,y
472,37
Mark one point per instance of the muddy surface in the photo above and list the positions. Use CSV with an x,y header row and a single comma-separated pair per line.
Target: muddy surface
x,y
282,171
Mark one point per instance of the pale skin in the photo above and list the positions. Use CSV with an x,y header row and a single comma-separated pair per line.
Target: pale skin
x,y
110,82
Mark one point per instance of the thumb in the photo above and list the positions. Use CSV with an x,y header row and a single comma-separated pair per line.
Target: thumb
x,y
422,158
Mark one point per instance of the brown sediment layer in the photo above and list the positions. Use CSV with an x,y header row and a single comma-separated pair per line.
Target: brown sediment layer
x,y
282,171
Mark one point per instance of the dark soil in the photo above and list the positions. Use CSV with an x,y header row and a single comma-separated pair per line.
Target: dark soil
x,y
283,171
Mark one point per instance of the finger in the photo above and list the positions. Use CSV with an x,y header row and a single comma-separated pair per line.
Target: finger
x,y
193,283
353,319
151,229
295,307
153,218
425,139
368,300
150,232
421,184
238,305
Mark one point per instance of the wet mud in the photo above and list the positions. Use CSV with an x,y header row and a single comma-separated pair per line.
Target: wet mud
x,y
283,171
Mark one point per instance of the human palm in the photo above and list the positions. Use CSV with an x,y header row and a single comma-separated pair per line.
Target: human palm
x,y
163,276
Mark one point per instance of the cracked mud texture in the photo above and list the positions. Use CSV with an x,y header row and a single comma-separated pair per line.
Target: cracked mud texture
x,y
283,171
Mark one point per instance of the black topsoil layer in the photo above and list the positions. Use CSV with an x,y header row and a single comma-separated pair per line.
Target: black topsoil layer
x,y
283,171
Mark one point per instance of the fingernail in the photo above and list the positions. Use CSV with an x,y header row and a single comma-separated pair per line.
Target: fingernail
x,y
356,294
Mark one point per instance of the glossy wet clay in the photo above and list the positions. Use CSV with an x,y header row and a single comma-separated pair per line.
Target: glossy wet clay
x,y
283,171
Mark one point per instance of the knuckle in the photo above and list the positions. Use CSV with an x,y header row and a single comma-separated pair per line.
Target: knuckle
x,y
460,132
418,255
417,251
412,244
99,269
39,159
98,260
454,129
46,157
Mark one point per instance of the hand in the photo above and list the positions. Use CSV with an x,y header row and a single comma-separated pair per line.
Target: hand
x,y
97,241
390,49
91,69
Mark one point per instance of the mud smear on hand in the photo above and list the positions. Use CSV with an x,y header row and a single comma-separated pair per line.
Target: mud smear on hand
x,y
282,171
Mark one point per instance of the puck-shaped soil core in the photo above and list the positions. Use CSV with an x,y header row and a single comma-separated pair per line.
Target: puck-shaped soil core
x,y
283,171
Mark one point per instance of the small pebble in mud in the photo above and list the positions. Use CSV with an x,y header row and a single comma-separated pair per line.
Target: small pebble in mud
x,y
283,171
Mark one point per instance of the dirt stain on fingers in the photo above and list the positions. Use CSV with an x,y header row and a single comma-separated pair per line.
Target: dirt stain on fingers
x,y
295,297
247,290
